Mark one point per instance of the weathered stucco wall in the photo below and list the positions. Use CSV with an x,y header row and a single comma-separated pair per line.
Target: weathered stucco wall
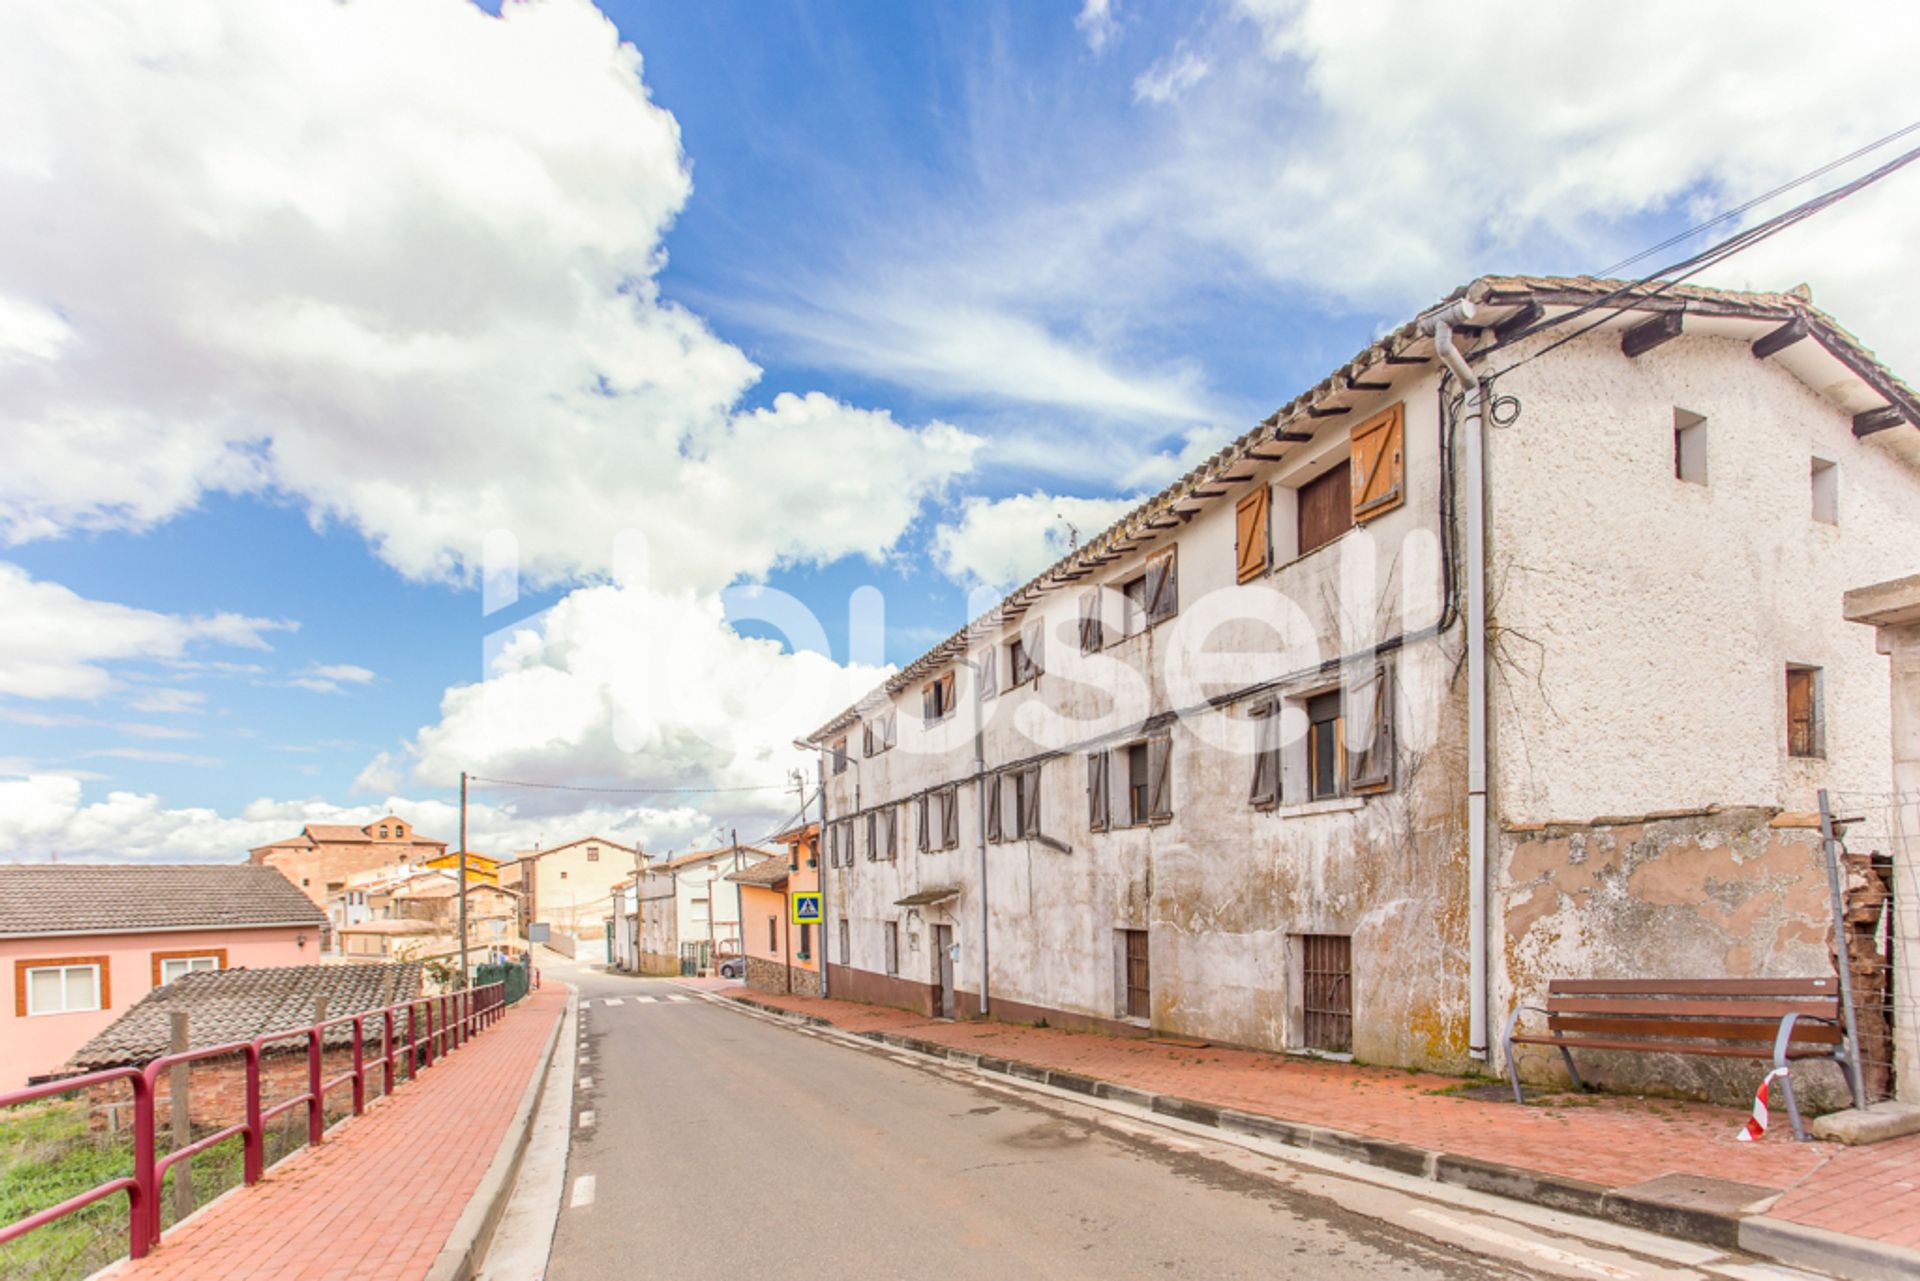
x,y
1721,895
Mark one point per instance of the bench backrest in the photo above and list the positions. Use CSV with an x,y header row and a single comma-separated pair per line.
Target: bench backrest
x,y
1696,1009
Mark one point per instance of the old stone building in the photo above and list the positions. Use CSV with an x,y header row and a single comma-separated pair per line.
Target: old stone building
x,y
321,858
1407,702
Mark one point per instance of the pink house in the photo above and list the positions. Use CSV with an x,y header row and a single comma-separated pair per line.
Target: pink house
x,y
79,944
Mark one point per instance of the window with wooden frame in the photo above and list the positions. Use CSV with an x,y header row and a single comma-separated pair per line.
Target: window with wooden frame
x,y
936,698
1806,728
840,755
1324,508
61,985
1147,790
1377,464
1326,746
1252,539
773,935
168,966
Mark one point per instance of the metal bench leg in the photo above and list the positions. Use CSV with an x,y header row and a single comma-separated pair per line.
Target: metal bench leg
x,y
1566,1056
1513,1068
1780,1043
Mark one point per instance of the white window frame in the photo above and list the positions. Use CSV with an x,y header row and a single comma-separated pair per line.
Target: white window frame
x,y
191,964
63,970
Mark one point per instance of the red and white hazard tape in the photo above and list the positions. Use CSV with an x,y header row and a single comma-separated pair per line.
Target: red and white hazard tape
x,y
1757,1123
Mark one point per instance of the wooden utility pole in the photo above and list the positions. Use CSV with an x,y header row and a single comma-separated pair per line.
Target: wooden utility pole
x,y
180,1082
463,878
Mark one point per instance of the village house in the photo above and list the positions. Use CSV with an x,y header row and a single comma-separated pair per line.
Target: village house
x,y
686,914
1335,747
569,887
321,858
83,943
782,956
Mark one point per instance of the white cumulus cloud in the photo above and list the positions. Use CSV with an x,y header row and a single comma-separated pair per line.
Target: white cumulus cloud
x,y
1002,542
59,644
398,260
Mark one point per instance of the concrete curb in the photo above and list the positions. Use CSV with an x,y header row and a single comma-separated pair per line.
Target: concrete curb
x,y
1853,1258
466,1245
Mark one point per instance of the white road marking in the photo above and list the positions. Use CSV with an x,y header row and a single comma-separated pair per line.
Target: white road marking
x,y
586,1119
1508,1241
646,1000
613,1000
582,1192
586,1083
679,998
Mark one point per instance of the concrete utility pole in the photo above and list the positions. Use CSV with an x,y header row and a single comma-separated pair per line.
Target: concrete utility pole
x,y
463,878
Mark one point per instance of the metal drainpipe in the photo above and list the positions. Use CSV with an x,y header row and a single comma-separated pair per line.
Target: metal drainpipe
x,y
1473,480
980,818
820,872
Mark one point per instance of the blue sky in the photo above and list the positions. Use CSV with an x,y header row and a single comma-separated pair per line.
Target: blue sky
x,y
1057,250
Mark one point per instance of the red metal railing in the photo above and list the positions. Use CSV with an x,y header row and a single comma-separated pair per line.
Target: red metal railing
x,y
435,1026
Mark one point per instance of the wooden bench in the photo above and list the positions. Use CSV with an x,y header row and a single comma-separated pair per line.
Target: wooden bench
x,y
1726,1018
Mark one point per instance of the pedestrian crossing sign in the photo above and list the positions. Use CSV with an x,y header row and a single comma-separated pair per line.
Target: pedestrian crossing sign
x,y
806,909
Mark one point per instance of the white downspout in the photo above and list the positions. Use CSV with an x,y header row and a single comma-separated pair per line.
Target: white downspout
x,y
1473,480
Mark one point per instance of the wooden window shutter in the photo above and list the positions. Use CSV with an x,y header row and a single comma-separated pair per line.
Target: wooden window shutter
x,y
1800,712
1324,508
1090,638
1159,777
1265,793
873,835
866,739
920,806
989,670
993,807
890,821
1097,810
1370,764
1030,821
1033,639
890,729
949,819
1379,466
926,704
1163,587
1251,541
946,694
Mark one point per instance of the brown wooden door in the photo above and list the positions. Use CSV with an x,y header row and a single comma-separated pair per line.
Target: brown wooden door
x,y
1327,992
943,968
1139,989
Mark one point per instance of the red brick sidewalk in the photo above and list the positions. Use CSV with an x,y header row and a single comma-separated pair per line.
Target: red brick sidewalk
x,y
1871,1192
381,1195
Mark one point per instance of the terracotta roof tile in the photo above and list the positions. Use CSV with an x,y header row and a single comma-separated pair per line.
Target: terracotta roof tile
x,y
76,898
771,873
240,1004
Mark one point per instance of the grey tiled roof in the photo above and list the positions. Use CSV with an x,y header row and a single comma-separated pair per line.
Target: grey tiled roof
x,y
75,898
240,1004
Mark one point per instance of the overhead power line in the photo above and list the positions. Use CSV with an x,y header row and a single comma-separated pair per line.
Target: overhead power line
x,y
1761,199
1639,291
629,791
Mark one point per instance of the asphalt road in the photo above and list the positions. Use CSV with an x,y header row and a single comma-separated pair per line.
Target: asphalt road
x,y
725,1146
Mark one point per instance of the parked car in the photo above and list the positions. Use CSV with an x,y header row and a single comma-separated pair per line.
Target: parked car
x,y
733,967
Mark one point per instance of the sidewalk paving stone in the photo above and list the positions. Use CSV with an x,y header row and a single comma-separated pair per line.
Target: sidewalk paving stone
x,y
1611,1141
381,1195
